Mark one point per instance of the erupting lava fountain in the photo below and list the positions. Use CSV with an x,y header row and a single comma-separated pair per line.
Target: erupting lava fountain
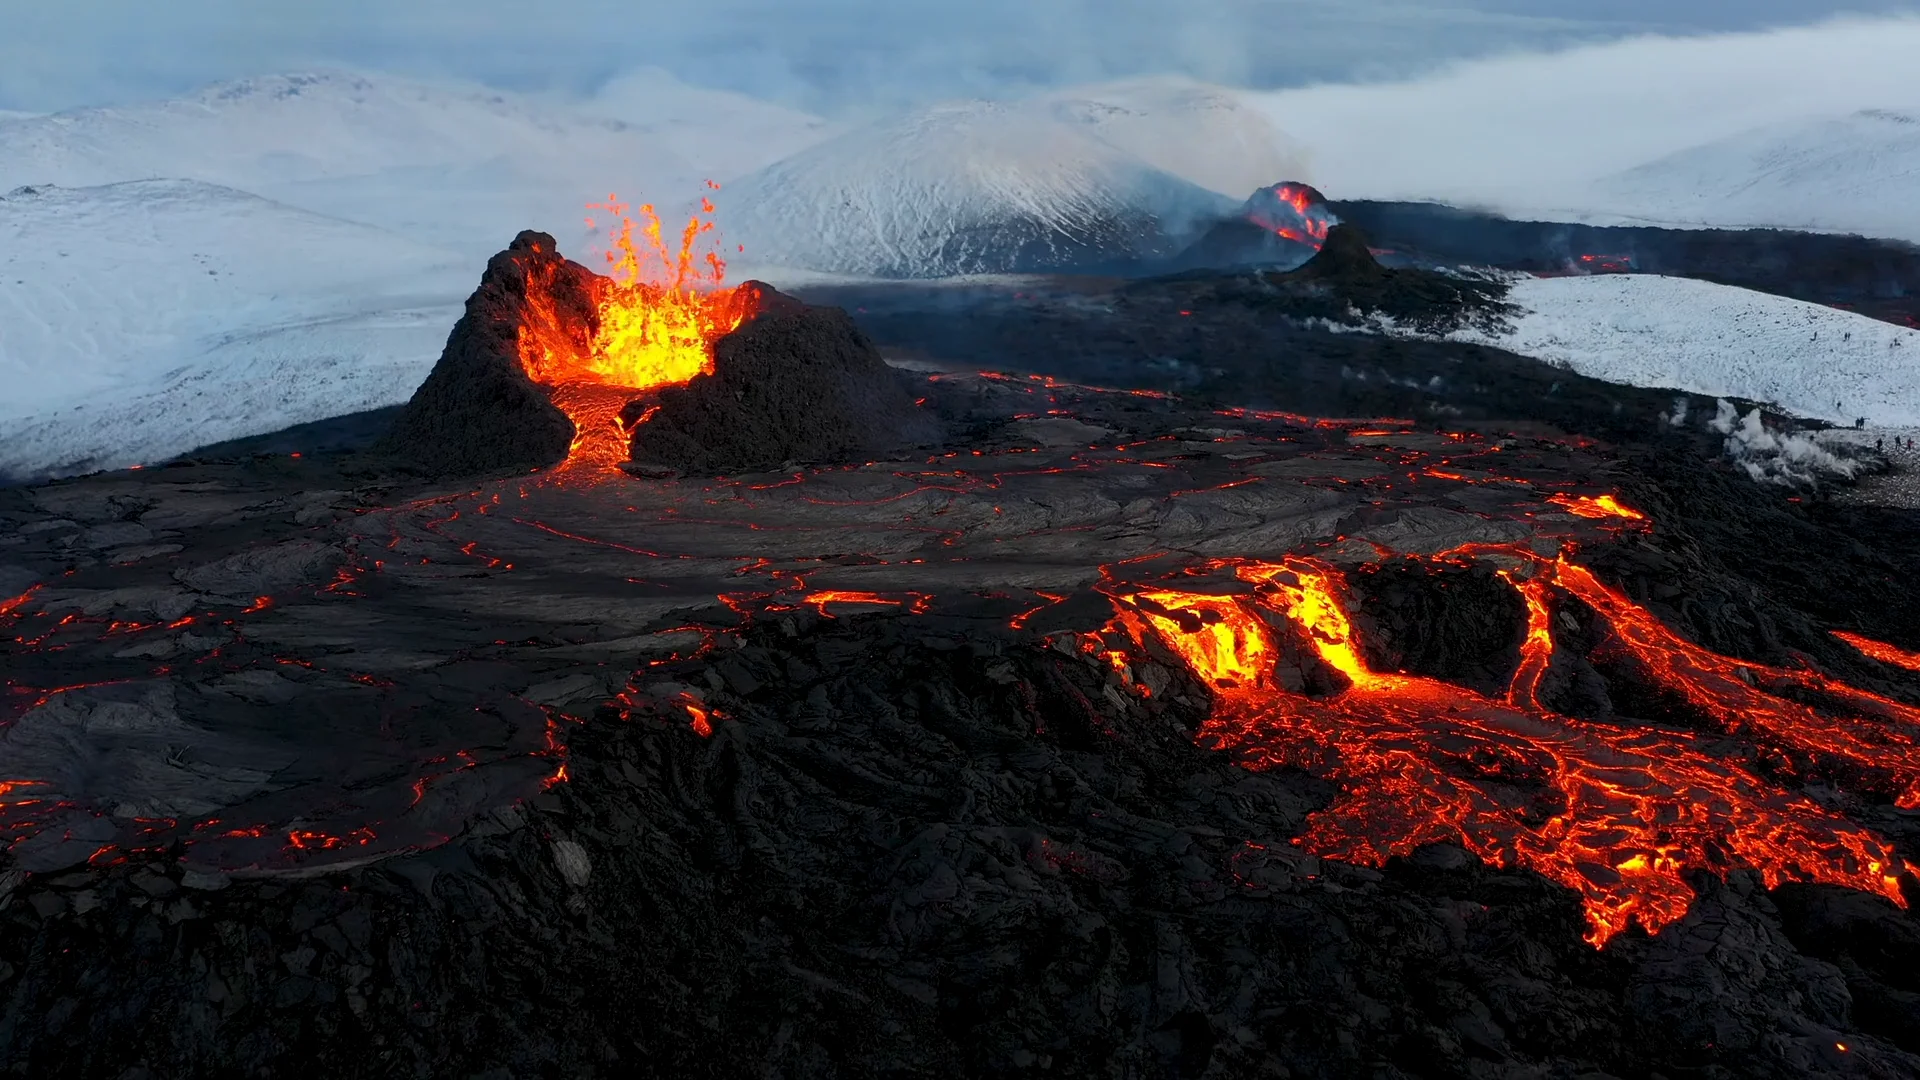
x,y
657,313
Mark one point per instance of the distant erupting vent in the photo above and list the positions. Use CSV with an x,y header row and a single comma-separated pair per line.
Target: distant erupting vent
x,y
1292,211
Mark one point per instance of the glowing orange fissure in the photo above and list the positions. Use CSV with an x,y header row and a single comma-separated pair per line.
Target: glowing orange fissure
x,y
657,313
1619,812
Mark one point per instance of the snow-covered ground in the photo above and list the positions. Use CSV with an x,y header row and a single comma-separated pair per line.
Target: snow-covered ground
x,y
141,319
1689,335
1853,173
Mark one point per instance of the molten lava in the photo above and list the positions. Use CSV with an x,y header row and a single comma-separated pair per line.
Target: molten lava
x,y
1596,507
1292,211
657,313
1620,812
1881,651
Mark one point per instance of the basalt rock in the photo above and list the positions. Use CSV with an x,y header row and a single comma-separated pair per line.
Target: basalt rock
x,y
477,411
795,382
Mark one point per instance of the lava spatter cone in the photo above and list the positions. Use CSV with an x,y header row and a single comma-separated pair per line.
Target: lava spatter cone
x,y
556,364
1343,256
478,411
1281,225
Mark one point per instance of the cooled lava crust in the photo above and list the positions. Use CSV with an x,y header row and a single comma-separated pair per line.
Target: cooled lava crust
x,y
1124,735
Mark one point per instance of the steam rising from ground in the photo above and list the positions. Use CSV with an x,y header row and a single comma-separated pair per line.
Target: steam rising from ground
x,y
1774,457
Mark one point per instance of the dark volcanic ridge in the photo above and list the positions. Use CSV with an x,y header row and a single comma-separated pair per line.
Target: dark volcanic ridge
x,y
1878,278
1345,285
793,383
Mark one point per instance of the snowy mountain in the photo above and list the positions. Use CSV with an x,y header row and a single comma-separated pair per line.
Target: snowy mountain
x,y
963,188
453,165
1207,135
139,320
1854,173
1690,335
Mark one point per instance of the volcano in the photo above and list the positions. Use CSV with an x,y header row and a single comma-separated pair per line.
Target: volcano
x,y
726,701
1281,225
555,365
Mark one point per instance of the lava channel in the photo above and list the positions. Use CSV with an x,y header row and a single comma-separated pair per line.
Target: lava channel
x,y
1620,812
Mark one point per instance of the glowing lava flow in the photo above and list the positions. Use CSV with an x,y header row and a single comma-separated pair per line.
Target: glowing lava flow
x,y
1619,812
1881,651
656,316
1597,508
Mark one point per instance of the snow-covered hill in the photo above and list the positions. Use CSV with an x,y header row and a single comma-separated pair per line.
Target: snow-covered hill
x,y
1714,339
139,320
453,165
963,188
1854,173
721,133
1207,135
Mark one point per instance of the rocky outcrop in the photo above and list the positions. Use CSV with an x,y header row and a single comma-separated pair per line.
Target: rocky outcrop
x,y
477,411
795,382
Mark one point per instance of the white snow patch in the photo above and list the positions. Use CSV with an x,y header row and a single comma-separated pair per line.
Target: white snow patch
x,y
1678,333
140,320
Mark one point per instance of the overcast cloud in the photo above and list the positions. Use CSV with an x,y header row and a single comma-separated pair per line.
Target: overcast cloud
x,y
828,55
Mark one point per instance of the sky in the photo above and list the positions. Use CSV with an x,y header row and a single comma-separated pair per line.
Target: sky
x,y
830,56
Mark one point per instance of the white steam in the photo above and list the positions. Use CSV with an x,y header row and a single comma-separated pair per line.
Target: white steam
x,y
1771,457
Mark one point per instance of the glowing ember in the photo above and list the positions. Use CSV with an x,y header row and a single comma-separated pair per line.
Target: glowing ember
x,y
1881,651
657,314
1620,813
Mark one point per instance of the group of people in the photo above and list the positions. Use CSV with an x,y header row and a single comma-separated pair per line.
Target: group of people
x,y
1898,444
